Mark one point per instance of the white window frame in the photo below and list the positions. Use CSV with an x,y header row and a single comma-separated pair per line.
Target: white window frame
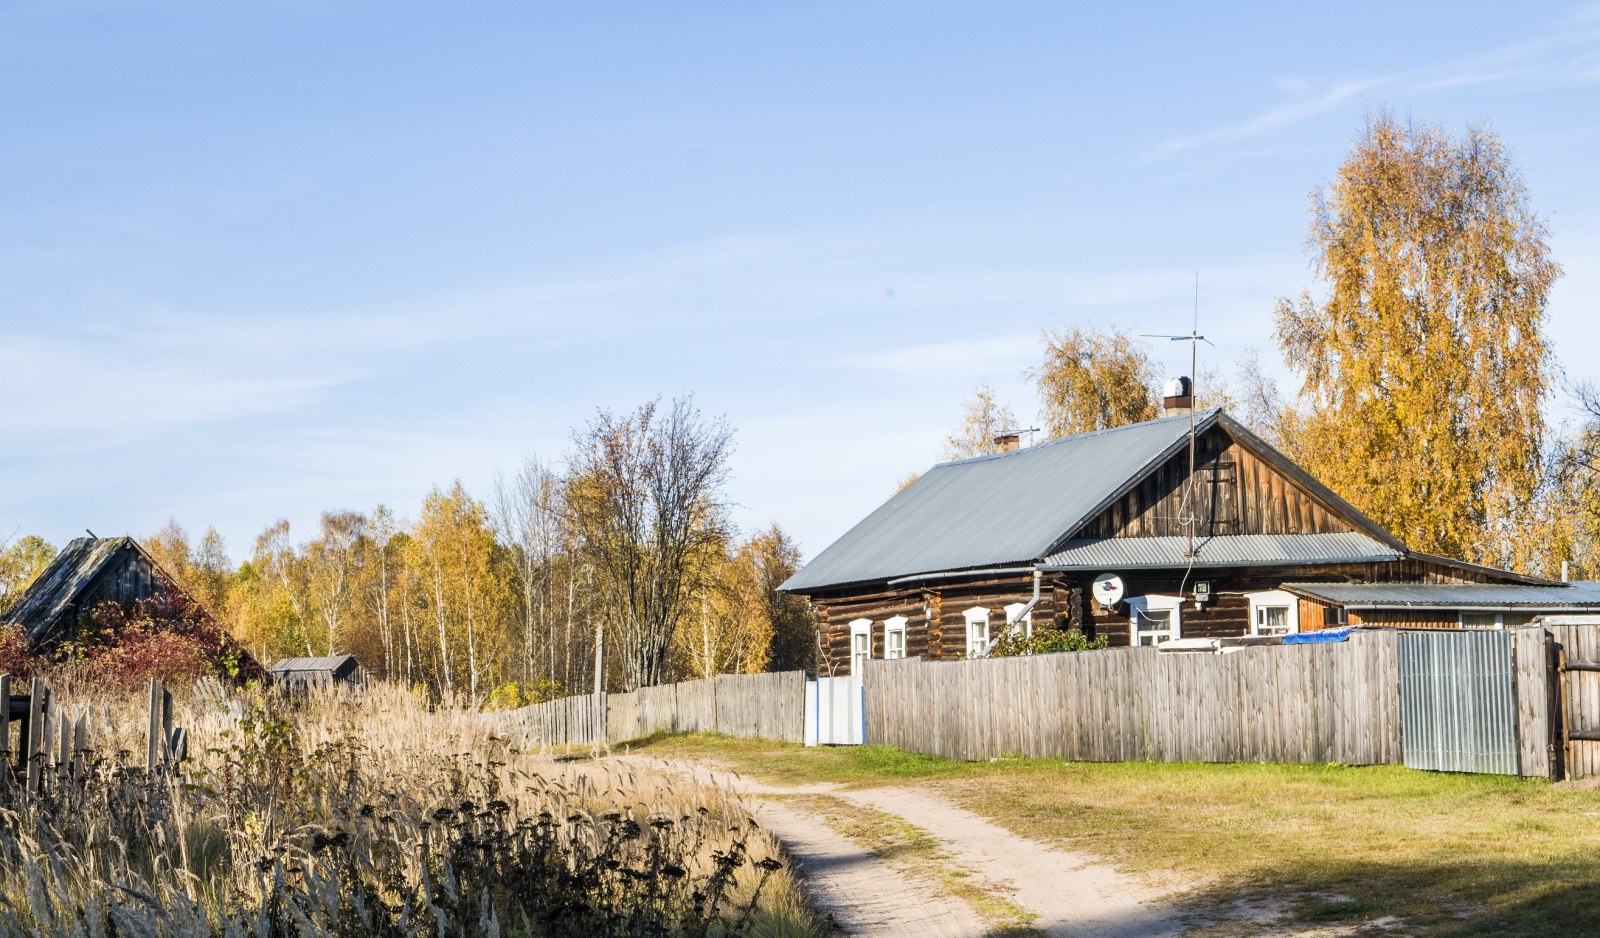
x,y
893,627
1461,619
1154,602
1274,598
1024,625
860,644
976,617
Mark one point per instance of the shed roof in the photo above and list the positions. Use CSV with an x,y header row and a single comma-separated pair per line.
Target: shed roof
x,y
1229,550
333,663
989,511
1452,595
62,583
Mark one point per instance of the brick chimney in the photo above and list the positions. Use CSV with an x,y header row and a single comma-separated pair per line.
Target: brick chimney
x,y
1177,398
1007,442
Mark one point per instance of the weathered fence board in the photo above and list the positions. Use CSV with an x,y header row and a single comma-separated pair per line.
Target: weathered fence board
x,y
1577,705
1531,652
1302,703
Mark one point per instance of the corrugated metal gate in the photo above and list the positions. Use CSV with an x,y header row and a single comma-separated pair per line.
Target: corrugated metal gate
x,y
1458,710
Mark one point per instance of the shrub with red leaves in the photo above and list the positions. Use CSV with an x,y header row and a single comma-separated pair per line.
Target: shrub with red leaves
x,y
170,637
16,655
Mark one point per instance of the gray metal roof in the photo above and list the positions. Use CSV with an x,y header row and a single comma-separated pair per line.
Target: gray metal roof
x,y
995,510
333,663
1451,595
1235,550
72,572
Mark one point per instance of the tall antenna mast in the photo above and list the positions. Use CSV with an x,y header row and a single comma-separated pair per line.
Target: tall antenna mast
x,y
1194,338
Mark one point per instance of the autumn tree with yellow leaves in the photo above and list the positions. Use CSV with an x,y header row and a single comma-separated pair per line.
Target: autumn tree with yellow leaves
x,y
1424,365
1094,379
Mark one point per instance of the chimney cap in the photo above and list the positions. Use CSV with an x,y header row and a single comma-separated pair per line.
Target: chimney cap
x,y
1178,397
1008,442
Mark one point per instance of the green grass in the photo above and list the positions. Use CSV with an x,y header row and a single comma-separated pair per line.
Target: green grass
x,y
1448,854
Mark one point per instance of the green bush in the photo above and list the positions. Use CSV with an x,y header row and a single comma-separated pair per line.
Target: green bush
x,y
1045,641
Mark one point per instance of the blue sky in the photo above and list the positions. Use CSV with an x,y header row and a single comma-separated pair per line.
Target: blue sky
x,y
263,260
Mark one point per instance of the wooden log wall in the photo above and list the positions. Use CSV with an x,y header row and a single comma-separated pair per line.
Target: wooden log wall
x,y
1290,703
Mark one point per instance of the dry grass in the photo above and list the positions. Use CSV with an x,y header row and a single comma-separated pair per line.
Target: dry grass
x,y
1336,846
372,816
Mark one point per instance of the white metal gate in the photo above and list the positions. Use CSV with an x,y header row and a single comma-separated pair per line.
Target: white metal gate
x,y
835,711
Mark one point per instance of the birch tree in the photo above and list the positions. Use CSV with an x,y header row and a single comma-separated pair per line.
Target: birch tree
x,y
1093,380
982,420
1424,366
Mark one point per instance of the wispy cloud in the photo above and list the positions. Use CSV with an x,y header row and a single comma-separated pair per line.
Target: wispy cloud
x,y
1563,56
1275,117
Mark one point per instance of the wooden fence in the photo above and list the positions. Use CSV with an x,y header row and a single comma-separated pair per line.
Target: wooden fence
x,y
52,743
1335,702
766,706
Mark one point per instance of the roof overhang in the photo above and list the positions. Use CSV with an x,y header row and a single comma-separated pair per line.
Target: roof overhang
x,y
1466,597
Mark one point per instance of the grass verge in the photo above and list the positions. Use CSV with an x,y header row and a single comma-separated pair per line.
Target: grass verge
x,y
1338,846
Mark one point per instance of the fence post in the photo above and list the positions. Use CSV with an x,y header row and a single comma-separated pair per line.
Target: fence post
x,y
5,729
157,740
31,754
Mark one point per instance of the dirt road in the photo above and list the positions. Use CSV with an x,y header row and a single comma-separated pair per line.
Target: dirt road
x,y
897,861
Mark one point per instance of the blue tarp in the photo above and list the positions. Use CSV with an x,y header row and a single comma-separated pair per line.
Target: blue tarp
x,y
1320,637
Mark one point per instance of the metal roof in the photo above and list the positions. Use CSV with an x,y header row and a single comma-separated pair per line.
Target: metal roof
x,y
1221,551
67,577
332,663
1451,595
997,510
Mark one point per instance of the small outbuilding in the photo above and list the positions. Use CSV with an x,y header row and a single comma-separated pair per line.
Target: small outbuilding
x,y
88,571
340,671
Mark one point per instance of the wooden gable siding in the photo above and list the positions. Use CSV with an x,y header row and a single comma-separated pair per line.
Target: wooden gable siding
x,y
1235,493
127,577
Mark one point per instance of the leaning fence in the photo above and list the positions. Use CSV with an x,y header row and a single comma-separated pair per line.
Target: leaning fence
x,y
52,744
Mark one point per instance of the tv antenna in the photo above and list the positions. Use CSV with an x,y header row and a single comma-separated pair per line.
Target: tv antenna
x,y
1194,338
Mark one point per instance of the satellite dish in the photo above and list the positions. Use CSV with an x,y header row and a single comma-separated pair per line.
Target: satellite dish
x,y
1107,589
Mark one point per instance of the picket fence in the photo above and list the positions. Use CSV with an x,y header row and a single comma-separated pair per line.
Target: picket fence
x,y
764,706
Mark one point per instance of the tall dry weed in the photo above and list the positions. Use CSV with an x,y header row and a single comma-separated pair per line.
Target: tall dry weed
x,y
377,814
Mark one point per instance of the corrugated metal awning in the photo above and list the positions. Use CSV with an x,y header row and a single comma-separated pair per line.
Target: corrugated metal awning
x,y
1239,550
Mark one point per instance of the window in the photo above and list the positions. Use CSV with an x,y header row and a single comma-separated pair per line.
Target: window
x,y
860,644
1482,620
1024,626
1274,612
977,632
1154,619
894,638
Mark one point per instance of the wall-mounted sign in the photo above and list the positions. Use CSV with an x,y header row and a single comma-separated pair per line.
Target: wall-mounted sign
x,y
1107,589
1202,591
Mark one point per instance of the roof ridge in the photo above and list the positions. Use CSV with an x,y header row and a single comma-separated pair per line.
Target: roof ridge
x,y
1199,415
